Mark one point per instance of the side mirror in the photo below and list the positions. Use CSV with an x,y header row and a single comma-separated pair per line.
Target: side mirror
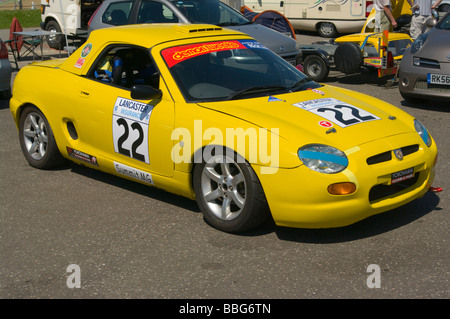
x,y
145,92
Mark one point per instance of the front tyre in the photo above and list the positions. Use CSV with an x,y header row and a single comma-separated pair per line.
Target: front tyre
x,y
229,193
37,141
55,41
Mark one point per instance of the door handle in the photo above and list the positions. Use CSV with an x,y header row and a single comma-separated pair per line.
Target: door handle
x,y
84,93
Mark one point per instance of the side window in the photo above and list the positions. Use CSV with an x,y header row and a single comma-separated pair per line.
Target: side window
x,y
126,66
398,47
117,13
155,12
370,51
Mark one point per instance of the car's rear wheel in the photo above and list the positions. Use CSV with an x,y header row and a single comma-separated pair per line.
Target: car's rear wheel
x,y
229,193
315,68
37,141
327,30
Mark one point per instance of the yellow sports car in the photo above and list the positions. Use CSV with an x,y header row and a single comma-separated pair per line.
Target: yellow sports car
x,y
212,115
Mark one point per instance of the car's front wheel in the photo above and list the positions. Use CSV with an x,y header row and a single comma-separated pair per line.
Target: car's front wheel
x,y
37,141
57,40
229,193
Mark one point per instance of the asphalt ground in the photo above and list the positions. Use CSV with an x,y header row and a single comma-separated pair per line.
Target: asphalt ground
x,y
133,241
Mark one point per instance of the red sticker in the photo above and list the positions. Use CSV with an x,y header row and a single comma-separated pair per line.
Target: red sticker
x,y
79,63
325,124
181,53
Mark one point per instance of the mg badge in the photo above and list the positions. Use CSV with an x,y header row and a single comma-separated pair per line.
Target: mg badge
x,y
399,154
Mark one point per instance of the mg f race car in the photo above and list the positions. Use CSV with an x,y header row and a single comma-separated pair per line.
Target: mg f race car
x,y
212,115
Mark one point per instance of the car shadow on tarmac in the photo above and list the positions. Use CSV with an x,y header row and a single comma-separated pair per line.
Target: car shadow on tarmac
x,y
369,227
372,226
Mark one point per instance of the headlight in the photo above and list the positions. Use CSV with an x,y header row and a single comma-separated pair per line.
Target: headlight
x,y
323,158
418,43
422,132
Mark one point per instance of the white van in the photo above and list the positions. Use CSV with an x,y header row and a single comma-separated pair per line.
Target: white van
x,y
327,17
69,17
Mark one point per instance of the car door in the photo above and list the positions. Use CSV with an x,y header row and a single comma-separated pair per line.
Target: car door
x,y
114,126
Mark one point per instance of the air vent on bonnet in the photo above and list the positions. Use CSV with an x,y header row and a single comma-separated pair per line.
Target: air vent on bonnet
x,y
192,28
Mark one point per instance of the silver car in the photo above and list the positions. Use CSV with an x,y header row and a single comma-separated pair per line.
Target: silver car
x,y
121,12
5,72
425,68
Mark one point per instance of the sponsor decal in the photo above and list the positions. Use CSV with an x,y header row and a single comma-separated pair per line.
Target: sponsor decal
x,y
174,55
373,61
274,99
86,50
325,124
81,156
317,91
133,173
79,63
402,175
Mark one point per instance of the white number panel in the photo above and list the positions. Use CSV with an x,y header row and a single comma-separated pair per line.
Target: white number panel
x,y
130,128
338,112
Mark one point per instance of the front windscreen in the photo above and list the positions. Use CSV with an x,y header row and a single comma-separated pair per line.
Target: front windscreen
x,y
231,69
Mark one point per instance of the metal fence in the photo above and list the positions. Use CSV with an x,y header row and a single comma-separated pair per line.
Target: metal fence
x,y
19,4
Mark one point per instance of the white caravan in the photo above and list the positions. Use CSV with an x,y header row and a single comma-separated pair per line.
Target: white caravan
x,y
327,17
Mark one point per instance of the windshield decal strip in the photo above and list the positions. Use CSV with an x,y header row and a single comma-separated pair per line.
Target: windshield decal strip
x,y
178,54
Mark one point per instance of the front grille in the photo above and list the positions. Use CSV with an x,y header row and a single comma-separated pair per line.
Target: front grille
x,y
379,158
427,63
382,191
410,149
423,85
387,156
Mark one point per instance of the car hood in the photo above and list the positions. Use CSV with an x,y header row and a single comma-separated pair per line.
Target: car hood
x,y
288,113
274,40
437,46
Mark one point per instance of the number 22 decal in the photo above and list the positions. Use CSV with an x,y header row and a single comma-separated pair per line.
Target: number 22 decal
x,y
336,111
355,113
123,138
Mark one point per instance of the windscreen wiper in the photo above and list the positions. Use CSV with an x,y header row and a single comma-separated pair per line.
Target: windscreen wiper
x,y
255,89
304,85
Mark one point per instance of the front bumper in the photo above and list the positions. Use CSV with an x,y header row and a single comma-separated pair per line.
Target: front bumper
x,y
298,197
413,79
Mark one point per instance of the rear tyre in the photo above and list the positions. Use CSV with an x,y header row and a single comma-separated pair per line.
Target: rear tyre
x,y
315,68
327,30
37,141
348,58
229,193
